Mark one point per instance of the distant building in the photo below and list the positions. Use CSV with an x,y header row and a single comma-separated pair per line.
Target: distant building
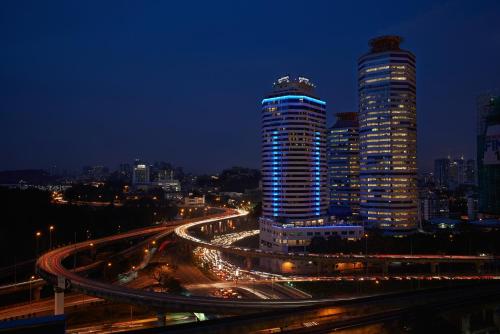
x,y
164,175
470,172
490,224
443,223
433,204
457,173
388,137
484,108
192,201
140,174
170,186
472,206
488,155
452,173
442,172
343,165
125,171
95,173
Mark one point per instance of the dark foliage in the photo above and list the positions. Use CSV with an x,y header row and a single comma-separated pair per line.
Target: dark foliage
x,y
24,212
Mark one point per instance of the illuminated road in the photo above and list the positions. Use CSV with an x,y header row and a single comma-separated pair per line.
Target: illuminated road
x,y
49,266
44,307
182,231
348,313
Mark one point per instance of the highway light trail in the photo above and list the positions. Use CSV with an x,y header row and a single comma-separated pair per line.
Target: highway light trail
x,y
50,267
212,259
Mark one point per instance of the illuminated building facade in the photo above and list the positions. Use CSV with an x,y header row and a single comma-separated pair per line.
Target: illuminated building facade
x,y
388,137
294,168
140,174
343,165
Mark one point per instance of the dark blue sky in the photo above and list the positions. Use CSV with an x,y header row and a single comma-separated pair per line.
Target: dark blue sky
x,y
104,82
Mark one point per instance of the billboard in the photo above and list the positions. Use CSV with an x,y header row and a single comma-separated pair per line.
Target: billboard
x,y
492,145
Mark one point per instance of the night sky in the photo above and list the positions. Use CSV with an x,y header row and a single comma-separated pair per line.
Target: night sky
x,y
104,82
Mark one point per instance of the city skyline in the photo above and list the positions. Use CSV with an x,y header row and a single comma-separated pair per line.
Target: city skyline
x,y
261,167
61,88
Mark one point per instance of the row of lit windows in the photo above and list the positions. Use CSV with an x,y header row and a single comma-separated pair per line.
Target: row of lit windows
x,y
385,67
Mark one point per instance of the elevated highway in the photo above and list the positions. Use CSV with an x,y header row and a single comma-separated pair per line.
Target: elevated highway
x,y
50,267
182,232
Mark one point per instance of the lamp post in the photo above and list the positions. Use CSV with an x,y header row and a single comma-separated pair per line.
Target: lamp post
x,y
38,234
366,253
51,228
107,269
31,280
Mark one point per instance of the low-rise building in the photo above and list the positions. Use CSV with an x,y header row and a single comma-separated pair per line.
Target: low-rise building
x,y
284,238
194,201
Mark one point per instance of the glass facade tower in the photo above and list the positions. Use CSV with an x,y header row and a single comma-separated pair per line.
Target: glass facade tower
x,y
388,137
343,165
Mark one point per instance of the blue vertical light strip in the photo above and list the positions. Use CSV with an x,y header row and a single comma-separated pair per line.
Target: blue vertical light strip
x,y
277,139
317,173
275,173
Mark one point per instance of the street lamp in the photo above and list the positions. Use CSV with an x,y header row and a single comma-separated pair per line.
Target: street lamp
x,y
38,234
51,228
31,280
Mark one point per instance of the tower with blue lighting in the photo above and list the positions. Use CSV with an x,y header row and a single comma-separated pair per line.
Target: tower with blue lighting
x,y
294,167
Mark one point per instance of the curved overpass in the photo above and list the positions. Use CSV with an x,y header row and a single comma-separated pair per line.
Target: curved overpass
x,y
182,231
49,266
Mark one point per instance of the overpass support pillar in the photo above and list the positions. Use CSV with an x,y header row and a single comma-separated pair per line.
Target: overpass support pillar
x,y
161,318
36,293
319,268
385,268
187,248
248,263
59,301
479,267
59,296
434,267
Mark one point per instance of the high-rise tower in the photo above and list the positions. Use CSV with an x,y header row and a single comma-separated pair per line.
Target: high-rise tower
x,y
388,136
343,165
293,153
294,170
